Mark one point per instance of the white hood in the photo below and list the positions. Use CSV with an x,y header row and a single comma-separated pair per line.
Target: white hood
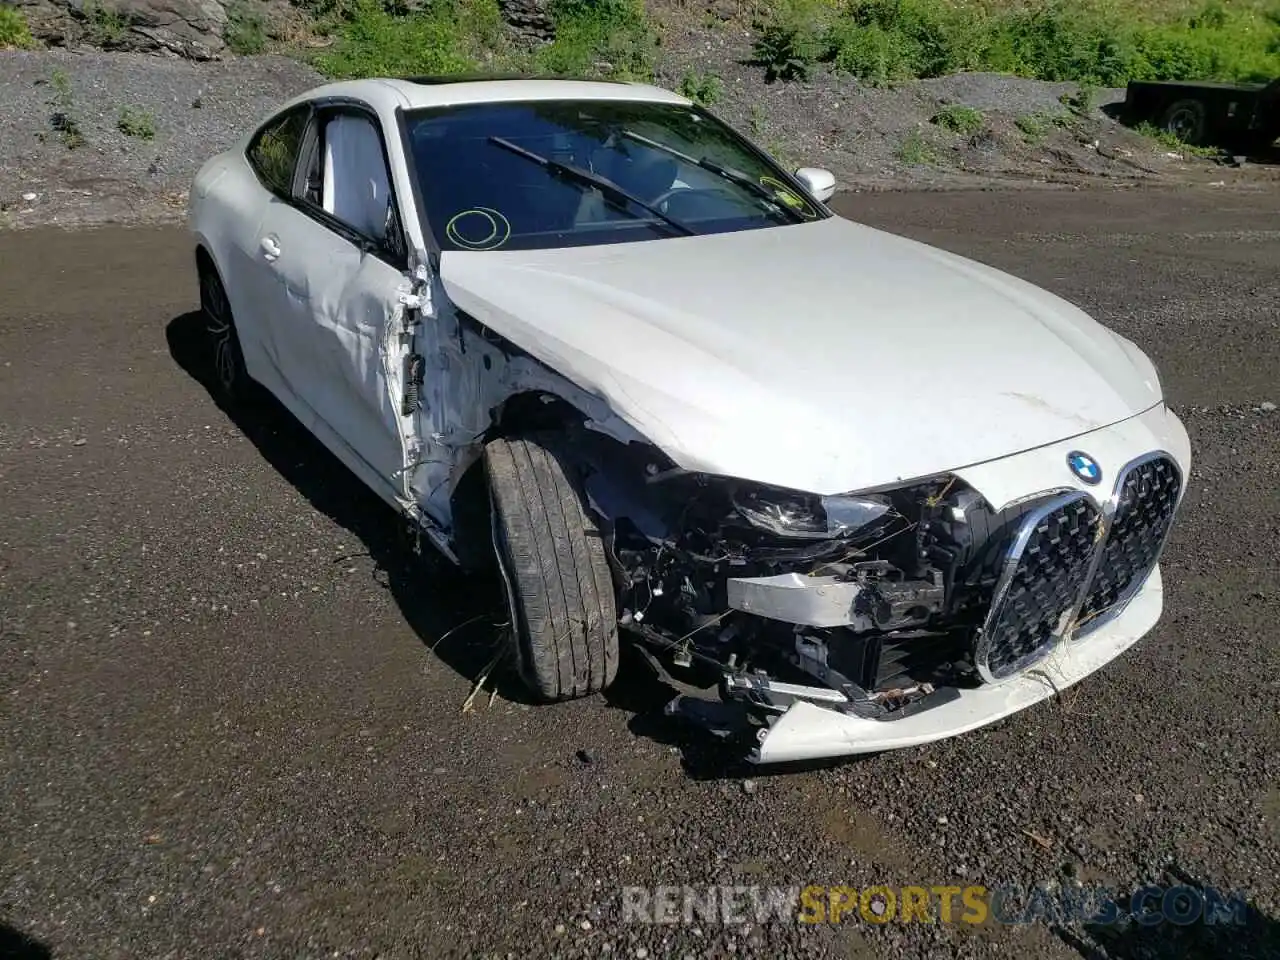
x,y
827,357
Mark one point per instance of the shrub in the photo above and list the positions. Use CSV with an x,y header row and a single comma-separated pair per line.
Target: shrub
x,y
137,122
372,42
63,119
793,36
104,26
14,32
1082,102
963,120
915,150
924,39
701,88
246,31
599,36
1097,42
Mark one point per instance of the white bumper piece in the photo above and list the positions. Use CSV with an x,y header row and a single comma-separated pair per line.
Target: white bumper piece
x,y
807,732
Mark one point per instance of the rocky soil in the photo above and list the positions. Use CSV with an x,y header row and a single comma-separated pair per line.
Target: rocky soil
x,y
90,136
84,168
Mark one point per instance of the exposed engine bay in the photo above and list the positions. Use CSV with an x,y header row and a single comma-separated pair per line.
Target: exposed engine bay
x,y
867,604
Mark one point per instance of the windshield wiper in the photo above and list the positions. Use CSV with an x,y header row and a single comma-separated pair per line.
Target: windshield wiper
x,y
733,176
568,171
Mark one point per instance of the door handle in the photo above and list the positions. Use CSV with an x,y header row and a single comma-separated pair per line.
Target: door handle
x,y
270,248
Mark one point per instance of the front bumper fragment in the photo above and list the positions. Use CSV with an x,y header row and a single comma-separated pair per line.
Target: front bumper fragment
x,y
807,731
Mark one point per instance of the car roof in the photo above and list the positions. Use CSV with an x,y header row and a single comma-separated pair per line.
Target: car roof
x,y
413,93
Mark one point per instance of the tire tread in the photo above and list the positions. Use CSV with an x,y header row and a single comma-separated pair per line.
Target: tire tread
x,y
566,620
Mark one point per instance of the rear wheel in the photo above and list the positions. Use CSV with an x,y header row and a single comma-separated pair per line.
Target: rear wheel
x,y
1186,120
552,559
226,358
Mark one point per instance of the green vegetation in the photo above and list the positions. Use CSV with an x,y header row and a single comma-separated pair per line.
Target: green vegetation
x,y
963,120
369,40
917,151
1082,102
593,37
1171,142
63,119
246,30
778,150
1097,42
104,26
1036,127
136,122
882,42
791,37
701,88
612,37
14,32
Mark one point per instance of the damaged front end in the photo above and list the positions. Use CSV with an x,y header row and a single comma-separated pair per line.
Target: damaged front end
x,y
870,607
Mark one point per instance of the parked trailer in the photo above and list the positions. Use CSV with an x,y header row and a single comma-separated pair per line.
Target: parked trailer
x,y
1232,115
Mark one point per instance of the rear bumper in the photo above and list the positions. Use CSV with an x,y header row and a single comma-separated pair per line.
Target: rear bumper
x,y
807,732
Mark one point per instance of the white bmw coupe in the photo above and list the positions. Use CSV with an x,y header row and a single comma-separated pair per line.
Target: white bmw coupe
x,y
852,492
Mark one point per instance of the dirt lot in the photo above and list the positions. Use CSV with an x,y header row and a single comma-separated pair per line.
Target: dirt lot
x,y
226,732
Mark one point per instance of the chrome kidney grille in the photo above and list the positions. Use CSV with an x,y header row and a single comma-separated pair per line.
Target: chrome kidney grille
x,y
1069,563
1147,496
1045,572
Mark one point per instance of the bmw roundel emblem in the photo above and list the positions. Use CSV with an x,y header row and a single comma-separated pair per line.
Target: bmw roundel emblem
x,y
1084,467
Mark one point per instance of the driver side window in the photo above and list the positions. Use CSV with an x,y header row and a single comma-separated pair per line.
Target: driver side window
x,y
345,176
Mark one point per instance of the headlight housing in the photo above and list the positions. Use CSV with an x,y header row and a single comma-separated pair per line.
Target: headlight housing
x,y
806,516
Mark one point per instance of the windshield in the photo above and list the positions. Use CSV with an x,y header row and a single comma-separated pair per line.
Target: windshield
x,y
557,173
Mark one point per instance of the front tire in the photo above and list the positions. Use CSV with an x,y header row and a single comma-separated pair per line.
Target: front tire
x,y
552,559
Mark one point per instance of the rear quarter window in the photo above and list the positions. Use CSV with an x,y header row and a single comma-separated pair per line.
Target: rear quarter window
x,y
273,152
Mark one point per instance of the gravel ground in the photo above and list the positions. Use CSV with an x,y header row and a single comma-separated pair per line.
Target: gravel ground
x,y
229,731
198,109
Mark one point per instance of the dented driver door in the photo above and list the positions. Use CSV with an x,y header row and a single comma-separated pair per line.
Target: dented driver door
x,y
339,256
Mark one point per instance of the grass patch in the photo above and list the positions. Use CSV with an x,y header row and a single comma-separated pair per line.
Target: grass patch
x,y
63,119
246,30
104,26
1171,142
701,88
1036,127
1096,42
963,120
14,32
916,150
779,152
137,122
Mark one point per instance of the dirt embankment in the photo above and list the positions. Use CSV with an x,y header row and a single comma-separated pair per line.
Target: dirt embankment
x,y
89,136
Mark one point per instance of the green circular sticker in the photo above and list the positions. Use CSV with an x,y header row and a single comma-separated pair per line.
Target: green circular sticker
x,y
480,228
788,196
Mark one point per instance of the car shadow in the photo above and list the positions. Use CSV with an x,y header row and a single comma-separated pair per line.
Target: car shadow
x,y
1249,934
16,945
458,617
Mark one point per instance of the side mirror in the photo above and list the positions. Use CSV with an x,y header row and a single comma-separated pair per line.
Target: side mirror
x,y
820,183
